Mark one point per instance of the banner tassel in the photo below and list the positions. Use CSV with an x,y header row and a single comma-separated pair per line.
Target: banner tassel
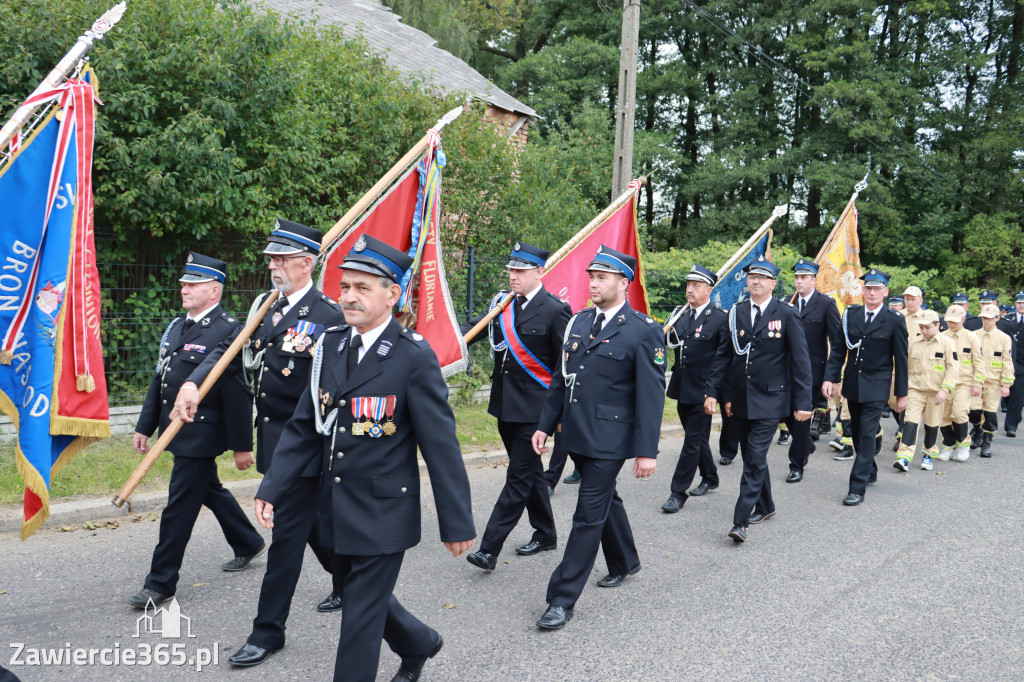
x,y
84,383
6,357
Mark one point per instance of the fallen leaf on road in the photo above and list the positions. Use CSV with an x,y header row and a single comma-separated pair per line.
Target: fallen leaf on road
x,y
449,606
66,528
88,525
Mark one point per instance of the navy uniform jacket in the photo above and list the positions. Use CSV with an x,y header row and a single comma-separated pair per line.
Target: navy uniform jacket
x,y
613,407
224,419
822,328
515,395
370,487
879,363
698,344
774,378
1015,331
972,323
287,350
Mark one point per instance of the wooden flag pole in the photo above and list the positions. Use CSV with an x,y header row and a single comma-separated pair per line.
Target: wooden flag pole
x,y
254,320
777,213
558,255
341,228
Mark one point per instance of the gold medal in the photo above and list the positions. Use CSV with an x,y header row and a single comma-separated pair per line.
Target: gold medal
x,y
367,425
389,428
357,428
286,371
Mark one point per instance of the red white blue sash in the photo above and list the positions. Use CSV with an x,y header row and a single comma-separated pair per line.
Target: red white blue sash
x,y
527,360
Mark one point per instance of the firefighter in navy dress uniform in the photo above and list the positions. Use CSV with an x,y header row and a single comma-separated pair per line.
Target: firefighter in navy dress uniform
x,y
222,423
527,339
820,317
762,374
696,335
609,394
375,395
280,353
871,361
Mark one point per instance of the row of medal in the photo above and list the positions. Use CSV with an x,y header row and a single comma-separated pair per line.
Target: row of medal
x,y
374,416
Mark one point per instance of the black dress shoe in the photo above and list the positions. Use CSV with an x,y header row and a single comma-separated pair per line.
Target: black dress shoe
x,y
250,655
332,603
141,598
759,517
482,559
853,499
410,672
738,534
574,477
240,563
724,461
554,618
873,479
616,579
795,477
1011,433
702,488
783,438
534,547
672,505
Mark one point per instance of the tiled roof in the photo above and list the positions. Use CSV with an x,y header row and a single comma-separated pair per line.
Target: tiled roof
x,y
411,51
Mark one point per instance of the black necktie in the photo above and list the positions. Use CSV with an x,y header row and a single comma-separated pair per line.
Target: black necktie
x,y
801,306
521,300
353,352
693,316
757,315
189,323
596,329
870,316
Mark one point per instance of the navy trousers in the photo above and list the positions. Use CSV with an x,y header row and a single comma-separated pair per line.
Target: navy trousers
x,y
696,452
600,521
755,485
294,526
864,418
525,488
194,483
371,613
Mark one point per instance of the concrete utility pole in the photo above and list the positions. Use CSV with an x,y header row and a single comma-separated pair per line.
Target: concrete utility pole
x,y
625,111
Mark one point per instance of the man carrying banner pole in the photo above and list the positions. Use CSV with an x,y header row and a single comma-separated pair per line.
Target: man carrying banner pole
x,y
222,423
527,340
279,354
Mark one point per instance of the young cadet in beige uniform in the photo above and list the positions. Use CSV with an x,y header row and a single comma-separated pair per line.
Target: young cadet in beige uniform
x,y
933,373
997,368
913,297
956,442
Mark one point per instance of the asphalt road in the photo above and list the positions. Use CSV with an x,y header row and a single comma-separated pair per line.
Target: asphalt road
x,y
922,581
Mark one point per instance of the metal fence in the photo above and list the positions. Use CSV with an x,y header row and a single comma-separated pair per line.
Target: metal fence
x,y
140,299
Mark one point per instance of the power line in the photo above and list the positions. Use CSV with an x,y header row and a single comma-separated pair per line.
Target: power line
x,y
811,91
